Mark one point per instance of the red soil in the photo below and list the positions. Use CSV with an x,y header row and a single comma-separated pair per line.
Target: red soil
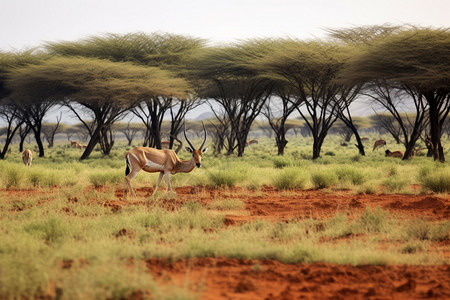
x,y
222,278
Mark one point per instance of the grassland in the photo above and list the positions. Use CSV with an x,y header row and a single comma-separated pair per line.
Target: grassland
x,y
62,238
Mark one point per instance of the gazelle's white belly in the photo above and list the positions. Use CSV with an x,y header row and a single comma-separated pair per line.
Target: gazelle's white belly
x,y
152,167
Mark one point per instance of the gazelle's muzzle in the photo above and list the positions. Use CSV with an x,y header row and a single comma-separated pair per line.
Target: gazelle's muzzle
x,y
198,165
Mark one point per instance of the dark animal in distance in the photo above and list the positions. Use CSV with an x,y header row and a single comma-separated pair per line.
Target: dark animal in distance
x,y
398,154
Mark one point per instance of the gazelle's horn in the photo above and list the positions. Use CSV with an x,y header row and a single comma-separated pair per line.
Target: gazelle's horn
x,y
204,140
185,136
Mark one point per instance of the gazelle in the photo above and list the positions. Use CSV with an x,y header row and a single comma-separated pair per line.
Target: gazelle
x,y
378,144
27,157
398,154
164,161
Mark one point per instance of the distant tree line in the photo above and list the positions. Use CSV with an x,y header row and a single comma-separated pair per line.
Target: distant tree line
x,y
101,79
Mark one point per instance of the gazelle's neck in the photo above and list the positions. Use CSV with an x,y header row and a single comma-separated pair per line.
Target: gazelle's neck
x,y
185,166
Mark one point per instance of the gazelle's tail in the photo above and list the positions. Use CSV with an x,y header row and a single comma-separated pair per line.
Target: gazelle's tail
x,y
127,162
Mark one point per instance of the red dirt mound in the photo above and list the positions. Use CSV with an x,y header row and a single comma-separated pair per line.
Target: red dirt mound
x,y
220,278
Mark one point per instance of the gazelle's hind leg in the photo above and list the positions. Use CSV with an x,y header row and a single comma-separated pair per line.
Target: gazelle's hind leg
x,y
127,182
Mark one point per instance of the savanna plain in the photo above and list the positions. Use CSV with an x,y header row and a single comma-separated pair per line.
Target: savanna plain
x,y
342,226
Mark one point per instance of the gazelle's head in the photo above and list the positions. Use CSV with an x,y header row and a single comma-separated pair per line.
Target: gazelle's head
x,y
196,153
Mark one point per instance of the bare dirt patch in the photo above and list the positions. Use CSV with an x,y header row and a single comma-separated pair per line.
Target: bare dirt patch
x,y
221,278
272,204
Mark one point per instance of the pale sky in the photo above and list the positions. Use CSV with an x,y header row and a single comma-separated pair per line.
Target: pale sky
x,y
28,23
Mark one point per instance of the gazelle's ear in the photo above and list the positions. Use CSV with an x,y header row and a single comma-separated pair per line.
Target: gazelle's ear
x,y
204,150
188,149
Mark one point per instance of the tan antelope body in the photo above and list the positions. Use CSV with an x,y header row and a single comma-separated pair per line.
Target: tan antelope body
x,y
378,144
27,157
164,161
398,154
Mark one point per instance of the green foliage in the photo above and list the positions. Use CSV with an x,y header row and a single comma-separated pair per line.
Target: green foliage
x,y
104,178
12,176
351,175
227,176
51,230
395,183
374,220
281,162
291,178
422,230
323,179
437,181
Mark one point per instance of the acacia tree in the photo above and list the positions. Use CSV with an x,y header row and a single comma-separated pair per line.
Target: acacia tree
x,y
415,58
397,101
31,110
165,51
277,111
309,69
49,130
104,89
9,113
240,92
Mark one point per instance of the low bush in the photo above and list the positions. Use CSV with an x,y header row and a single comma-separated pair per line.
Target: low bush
x,y
226,176
437,181
351,175
395,184
323,179
281,162
290,178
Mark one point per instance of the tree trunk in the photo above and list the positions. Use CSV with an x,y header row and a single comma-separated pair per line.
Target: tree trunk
x,y
359,144
91,145
37,136
435,134
281,141
317,145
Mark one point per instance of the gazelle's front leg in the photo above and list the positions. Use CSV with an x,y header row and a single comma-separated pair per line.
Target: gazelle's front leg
x,y
159,181
169,188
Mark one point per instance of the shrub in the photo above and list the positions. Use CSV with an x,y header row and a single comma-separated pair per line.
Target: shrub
x,y
395,184
281,162
43,178
224,177
289,179
323,179
373,220
351,175
437,181
12,176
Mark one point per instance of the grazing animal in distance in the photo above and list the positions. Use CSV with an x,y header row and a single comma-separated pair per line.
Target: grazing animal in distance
x,y
27,157
75,144
379,143
398,154
164,161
